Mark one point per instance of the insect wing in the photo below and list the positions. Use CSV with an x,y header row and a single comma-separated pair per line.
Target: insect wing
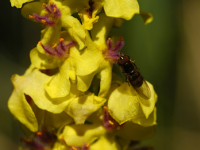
x,y
144,90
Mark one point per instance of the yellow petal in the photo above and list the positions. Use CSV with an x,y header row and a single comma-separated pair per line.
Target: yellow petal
x,y
32,84
123,103
84,82
147,17
19,107
18,3
135,132
60,146
30,8
105,143
105,78
82,107
57,120
75,29
50,36
43,61
59,85
143,121
121,8
88,20
148,105
78,135
101,30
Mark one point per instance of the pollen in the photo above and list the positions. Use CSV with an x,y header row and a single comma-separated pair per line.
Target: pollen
x,y
32,17
74,148
111,122
43,21
105,107
61,39
88,144
54,9
39,43
55,45
121,38
38,133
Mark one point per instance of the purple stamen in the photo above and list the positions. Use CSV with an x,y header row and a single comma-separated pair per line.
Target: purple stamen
x,y
109,43
74,148
118,46
108,122
46,136
53,13
60,50
33,144
86,147
112,52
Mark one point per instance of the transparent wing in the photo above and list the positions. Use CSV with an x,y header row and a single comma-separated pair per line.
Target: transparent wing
x,y
144,90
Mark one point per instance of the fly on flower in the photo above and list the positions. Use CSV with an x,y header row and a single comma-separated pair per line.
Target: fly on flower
x,y
133,76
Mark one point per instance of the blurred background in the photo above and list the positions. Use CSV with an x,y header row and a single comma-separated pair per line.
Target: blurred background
x,y
167,51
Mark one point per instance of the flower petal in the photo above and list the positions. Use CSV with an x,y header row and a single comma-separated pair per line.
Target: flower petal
x,y
135,132
105,143
88,16
147,17
78,135
57,120
105,78
19,3
121,8
30,8
43,61
59,85
148,105
19,107
101,30
75,29
123,103
82,107
143,121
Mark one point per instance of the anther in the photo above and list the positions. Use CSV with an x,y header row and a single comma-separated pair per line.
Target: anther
x,y
30,16
54,9
43,21
88,144
44,4
105,107
38,133
29,140
54,45
61,39
74,148
39,43
110,122
51,3
109,39
121,38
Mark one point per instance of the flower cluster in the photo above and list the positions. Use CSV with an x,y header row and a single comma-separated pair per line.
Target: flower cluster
x,y
70,98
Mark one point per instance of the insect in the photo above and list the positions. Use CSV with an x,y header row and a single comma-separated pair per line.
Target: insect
x,y
133,76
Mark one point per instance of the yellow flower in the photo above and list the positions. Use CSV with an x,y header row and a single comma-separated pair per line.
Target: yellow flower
x,y
19,3
77,104
99,138
126,104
